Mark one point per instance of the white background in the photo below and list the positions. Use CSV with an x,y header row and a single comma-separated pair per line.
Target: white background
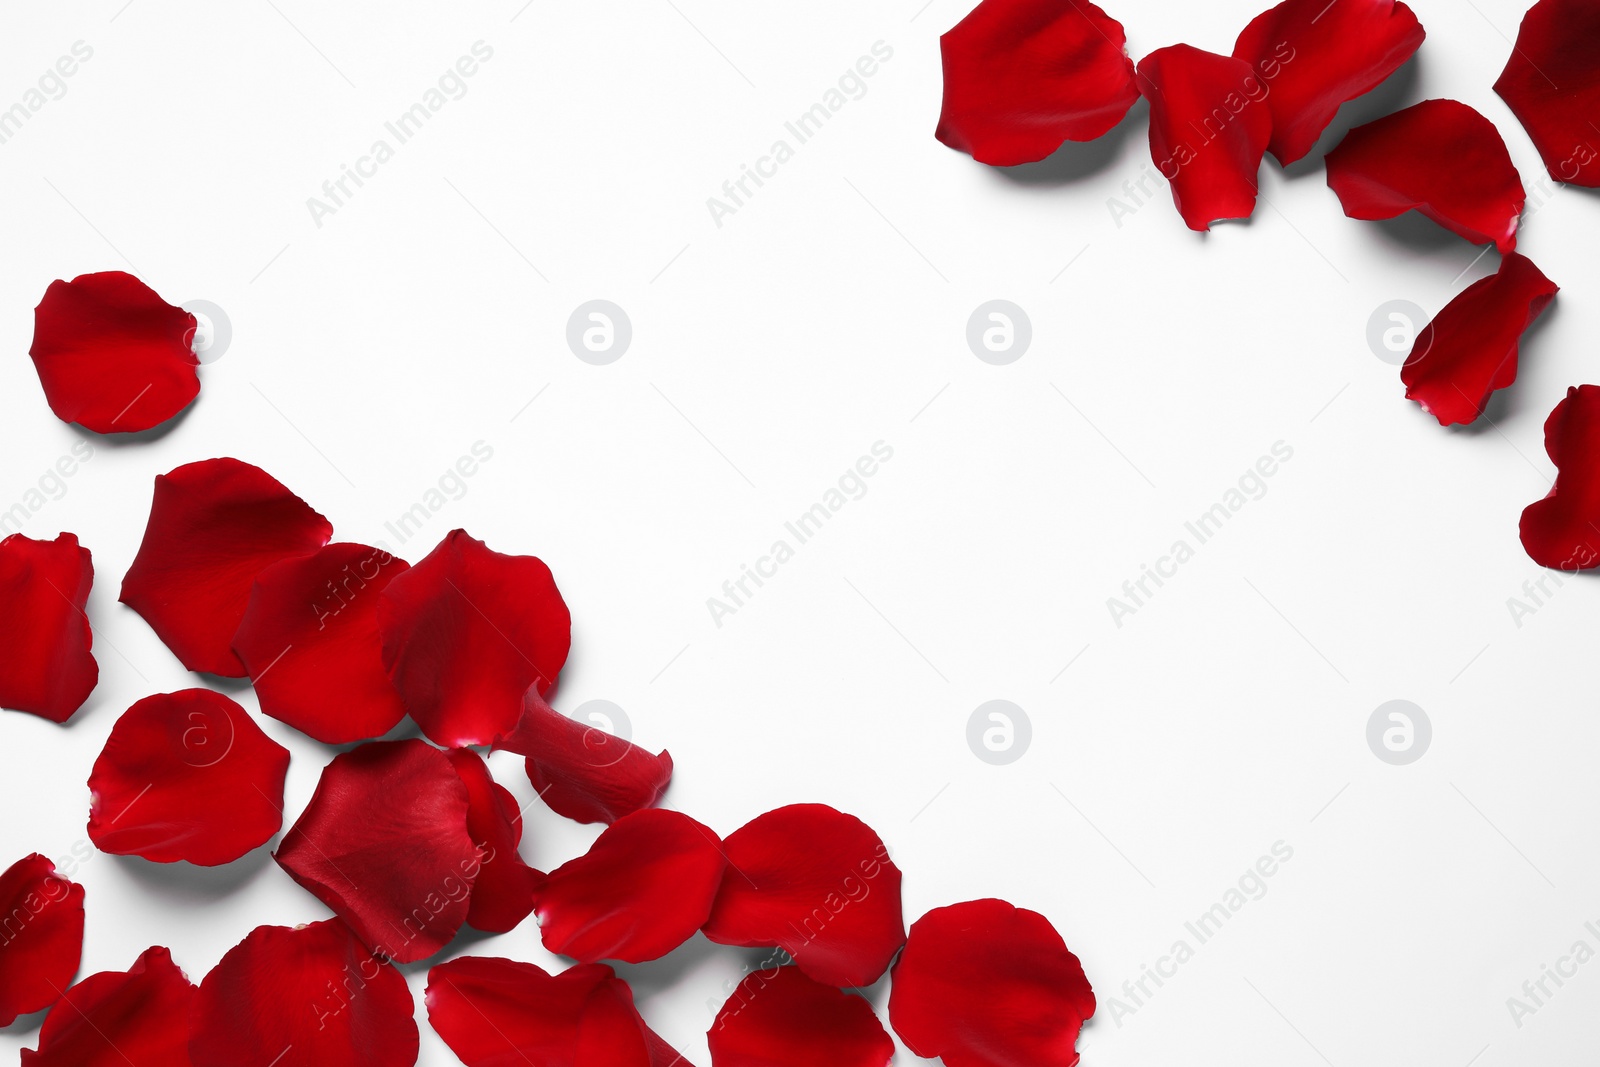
x,y
770,353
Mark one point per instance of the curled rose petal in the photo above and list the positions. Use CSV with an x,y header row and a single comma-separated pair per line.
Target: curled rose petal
x,y
985,984
1552,84
1439,157
1562,531
1209,129
1314,55
466,632
311,996
46,666
816,883
1470,348
1021,77
581,771
186,776
384,843
781,1018
41,937
309,640
214,525
502,894
112,355
133,1018
644,887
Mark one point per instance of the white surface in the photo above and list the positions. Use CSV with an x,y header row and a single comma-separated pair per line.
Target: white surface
x,y
768,354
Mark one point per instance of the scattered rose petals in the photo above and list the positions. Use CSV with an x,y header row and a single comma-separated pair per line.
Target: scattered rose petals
x,y
816,883
502,894
1208,131
112,355
384,843
985,984
466,632
309,640
133,1018
781,1018
46,667
1562,531
311,996
1552,84
41,939
214,525
1439,157
1021,77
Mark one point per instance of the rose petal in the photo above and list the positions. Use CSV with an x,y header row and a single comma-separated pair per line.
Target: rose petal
x,y
186,776
309,640
133,1018
214,525
1208,131
46,666
1314,55
1023,76
112,355
41,937
782,1018
985,984
1552,84
581,771
1439,157
311,996
466,632
1470,348
644,887
1562,531
816,883
502,894
384,843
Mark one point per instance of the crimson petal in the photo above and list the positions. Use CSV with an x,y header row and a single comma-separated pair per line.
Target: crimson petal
x,y
1552,84
502,894
1562,531
41,940
46,666
784,1019
133,1018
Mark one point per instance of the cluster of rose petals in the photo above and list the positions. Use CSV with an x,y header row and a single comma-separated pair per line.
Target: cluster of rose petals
x,y
116,1018
46,666
41,938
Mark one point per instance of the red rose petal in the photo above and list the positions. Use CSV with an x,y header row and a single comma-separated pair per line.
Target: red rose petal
x,y
502,894
311,996
309,640
1314,55
1552,84
46,667
112,355
816,883
581,771
985,984
214,525
784,1019
1208,131
384,843
1023,76
1562,531
41,939
186,776
466,632
1470,348
1439,157
644,887
133,1018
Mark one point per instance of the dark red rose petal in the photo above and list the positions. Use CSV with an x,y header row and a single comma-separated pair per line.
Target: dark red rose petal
x,y
311,996
816,883
1208,131
186,776
1439,157
133,1018
581,771
46,667
384,843
1023,76
309,640
1562,531
1314,55
41,936
112,355
1552,84
466,632
502,894
781,1018
985,984
644,887
214,525
1470,348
